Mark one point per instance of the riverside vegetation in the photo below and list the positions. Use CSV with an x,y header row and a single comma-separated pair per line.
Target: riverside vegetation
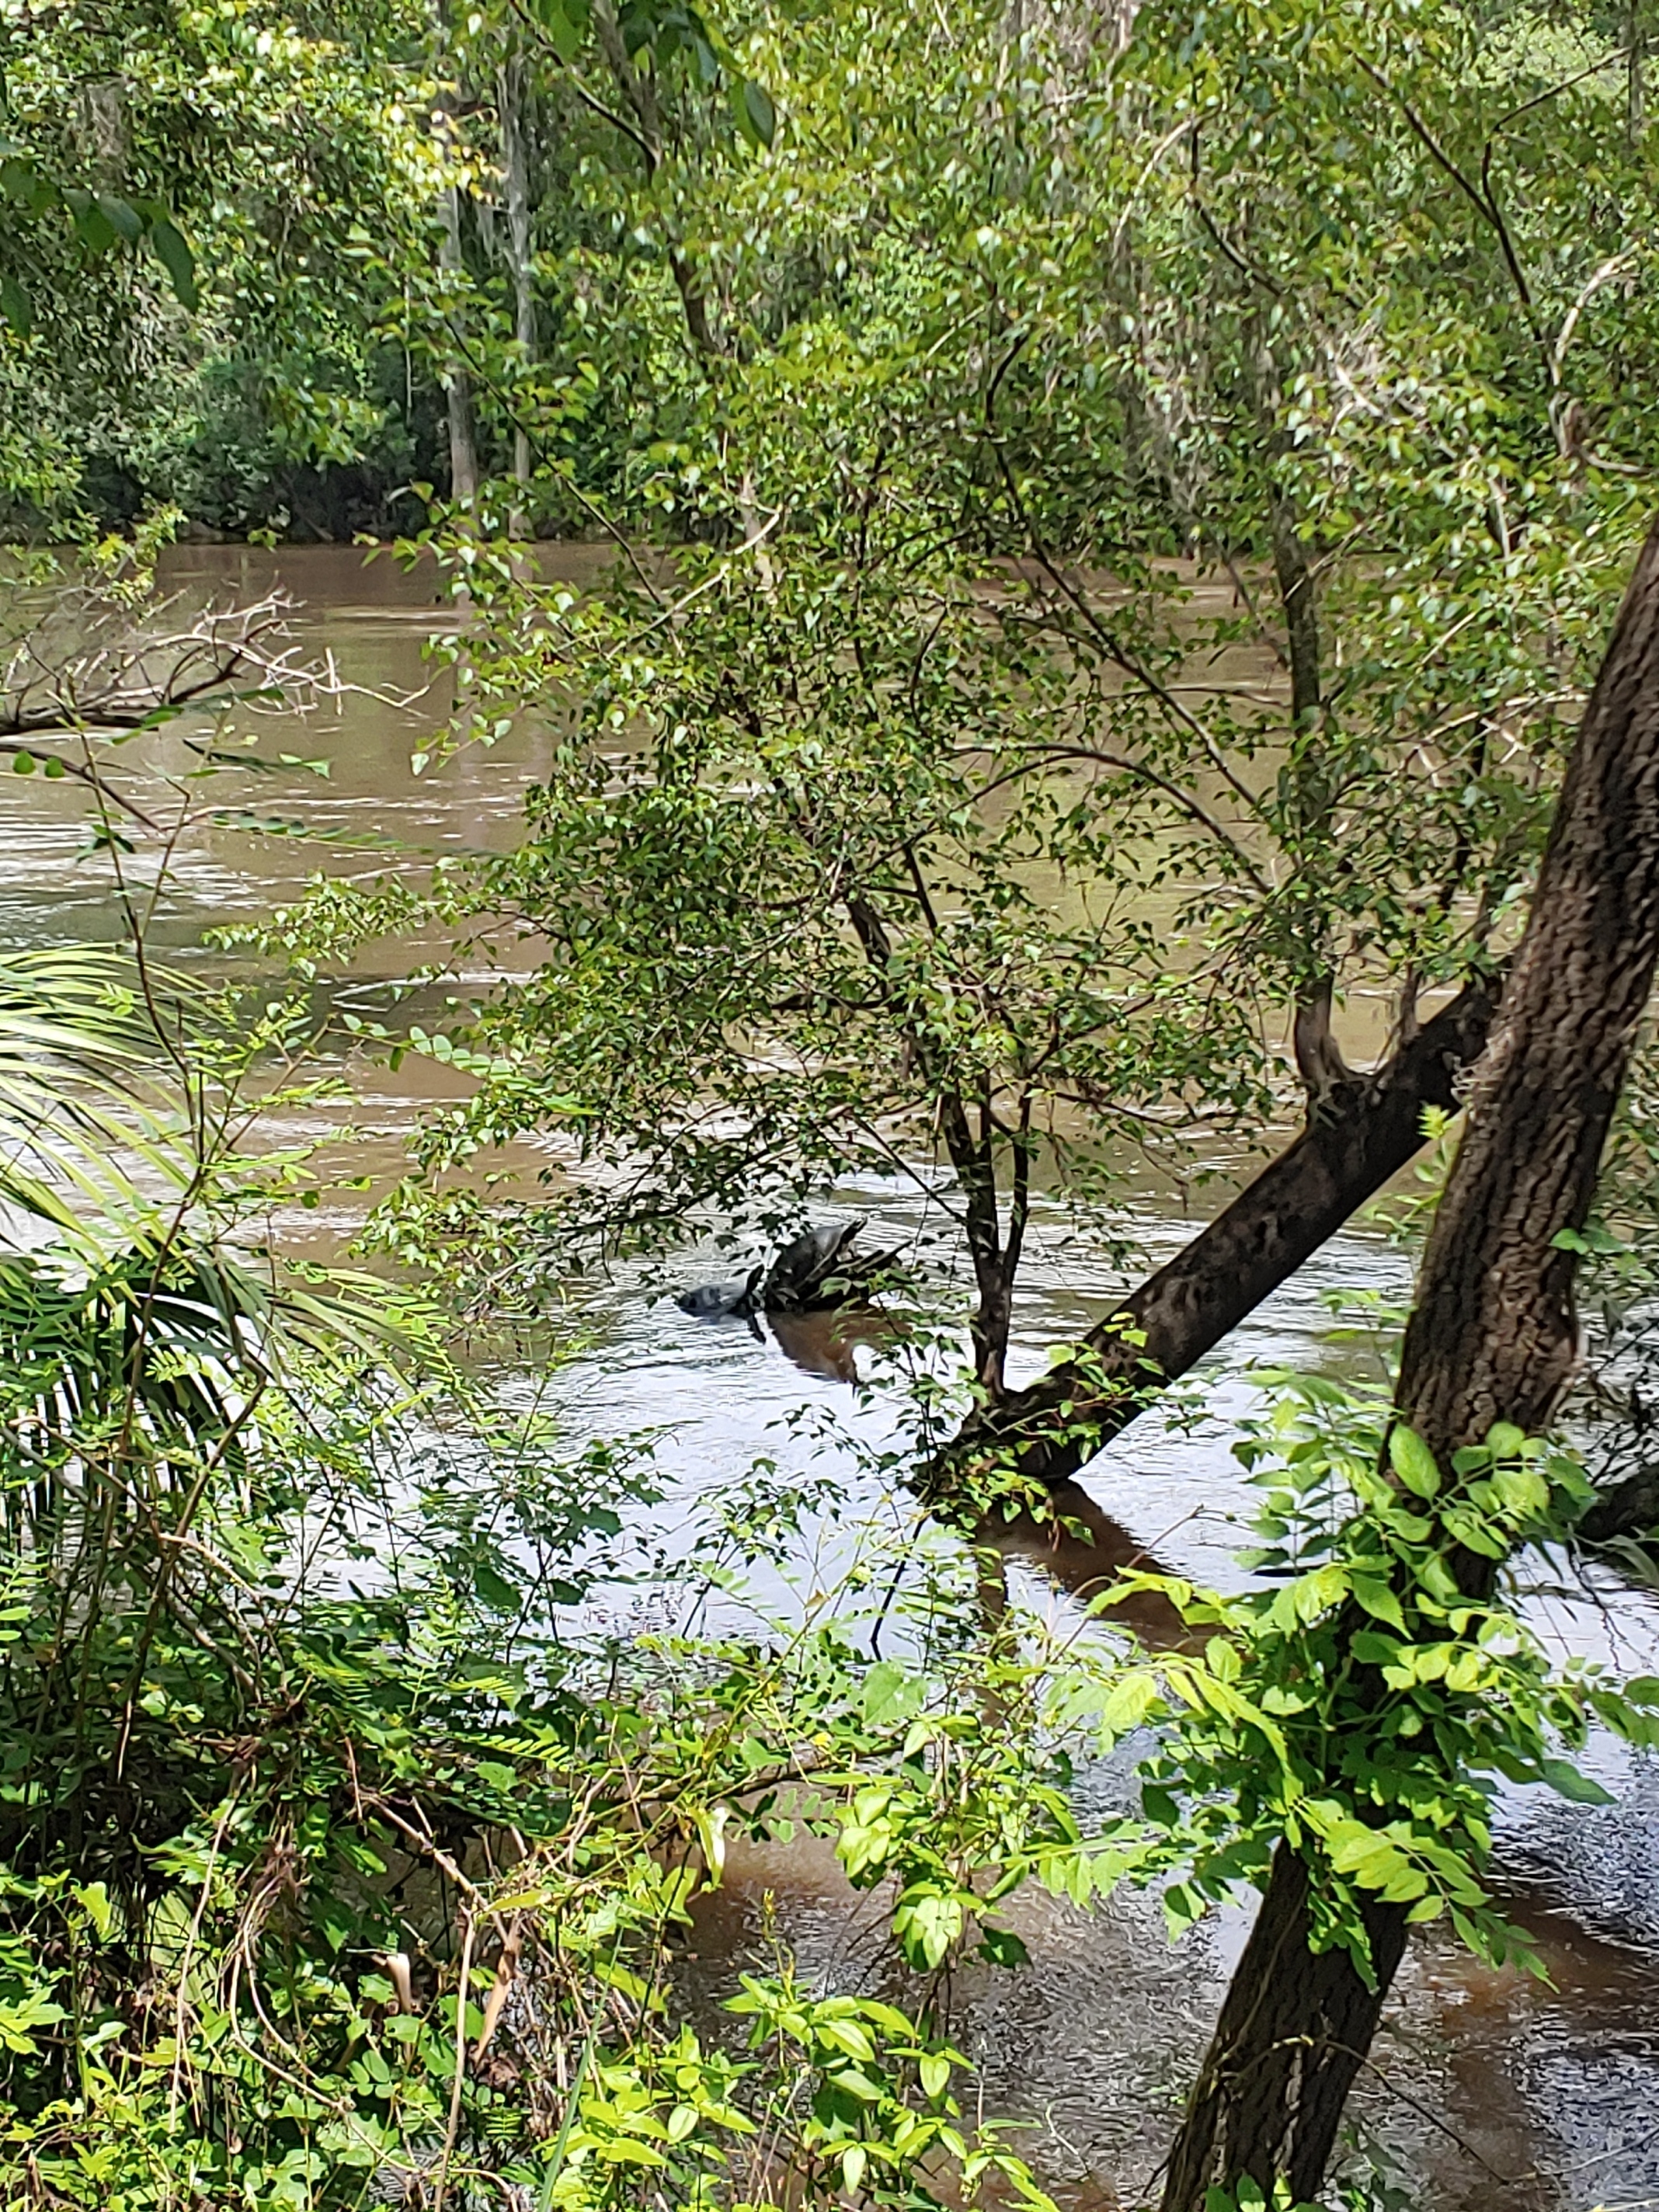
x,y
900,812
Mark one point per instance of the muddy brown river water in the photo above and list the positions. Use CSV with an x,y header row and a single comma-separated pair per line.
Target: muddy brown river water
x,y
1489,2092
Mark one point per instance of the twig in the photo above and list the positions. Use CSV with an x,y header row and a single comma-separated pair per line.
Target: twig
x,y
1480,196
426,1848
1604,275
1123,765
507,1969
83,772
1120,654
190,1940
441,2186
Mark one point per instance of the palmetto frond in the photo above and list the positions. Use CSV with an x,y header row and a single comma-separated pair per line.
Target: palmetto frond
x,y
137,1335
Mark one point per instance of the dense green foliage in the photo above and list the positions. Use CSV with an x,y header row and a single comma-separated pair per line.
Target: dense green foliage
x,y
1115,513
292,1759
886,821
222,285
278,150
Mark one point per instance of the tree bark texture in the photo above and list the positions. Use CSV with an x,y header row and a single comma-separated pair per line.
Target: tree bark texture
x,y
1364,1133
515,175
458,384
1492,1336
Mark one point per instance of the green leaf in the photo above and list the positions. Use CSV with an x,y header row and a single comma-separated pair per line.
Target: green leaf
x,y
757,118
1413,1461
927,1924
123,218
1183,1908
1003,1947
1133,1697
93,1897
97,231
1566,1778
15,307
176,257
1373,1650
1378,1600
889,1694
1591,1242
935,2072
708,61
857,2083
564,22
497,1593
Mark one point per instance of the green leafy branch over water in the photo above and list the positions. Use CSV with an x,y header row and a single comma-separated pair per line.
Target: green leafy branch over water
x,y
353,1844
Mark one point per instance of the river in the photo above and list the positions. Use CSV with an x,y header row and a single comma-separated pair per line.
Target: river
x,y
1488,2090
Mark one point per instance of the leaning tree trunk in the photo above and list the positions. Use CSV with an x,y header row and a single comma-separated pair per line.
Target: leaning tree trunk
x,y
1493,1336
1362,1135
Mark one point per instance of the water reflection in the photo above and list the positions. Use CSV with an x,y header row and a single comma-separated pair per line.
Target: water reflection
x,y
827,1344
1081,1550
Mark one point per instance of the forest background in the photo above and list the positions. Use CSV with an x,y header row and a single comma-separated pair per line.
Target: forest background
x,y
918,367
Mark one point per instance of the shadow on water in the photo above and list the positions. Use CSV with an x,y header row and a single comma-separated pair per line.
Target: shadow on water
x,y
1496,2093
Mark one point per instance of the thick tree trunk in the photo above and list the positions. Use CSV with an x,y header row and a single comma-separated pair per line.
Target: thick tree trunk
x,y
1492,1336
1294,2029
1364,1134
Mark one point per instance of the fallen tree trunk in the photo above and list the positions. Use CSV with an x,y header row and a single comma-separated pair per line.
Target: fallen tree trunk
x,y
1365,1130
1493,1336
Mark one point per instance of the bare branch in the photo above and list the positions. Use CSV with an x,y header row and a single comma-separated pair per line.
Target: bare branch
x,y
91,667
